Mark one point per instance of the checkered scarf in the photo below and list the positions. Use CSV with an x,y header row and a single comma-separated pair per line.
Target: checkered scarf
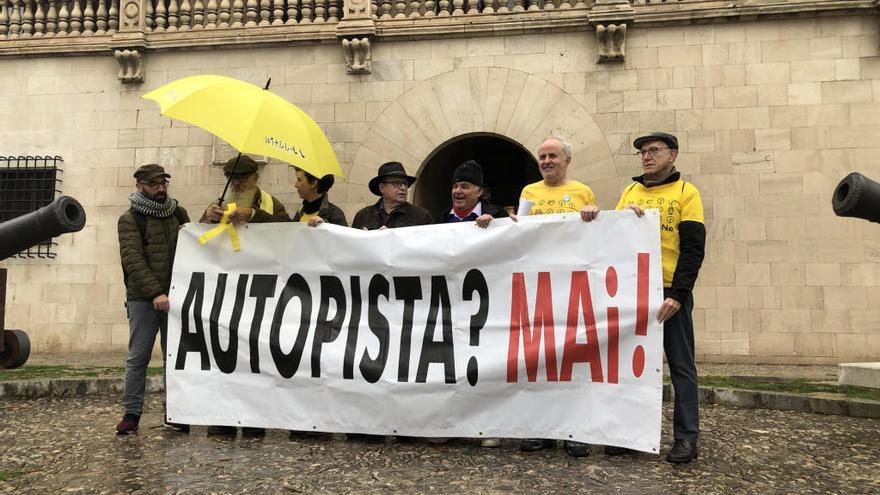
x,y
142,204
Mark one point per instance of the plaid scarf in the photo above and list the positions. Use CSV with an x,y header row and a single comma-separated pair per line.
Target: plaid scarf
x,y
151,208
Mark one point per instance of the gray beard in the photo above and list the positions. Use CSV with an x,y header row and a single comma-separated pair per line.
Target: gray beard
x,y
244,198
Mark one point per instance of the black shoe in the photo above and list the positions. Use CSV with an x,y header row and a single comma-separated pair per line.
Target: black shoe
x,y
178,427
253,432
683,451
577,449
535,444
222,430
129,424
612,450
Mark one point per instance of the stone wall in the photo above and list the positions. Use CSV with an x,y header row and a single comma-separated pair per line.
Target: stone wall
x,y
770,116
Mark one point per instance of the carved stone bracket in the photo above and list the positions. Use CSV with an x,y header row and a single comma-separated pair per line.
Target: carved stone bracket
x,y
611,18
356,31
358,59
131,65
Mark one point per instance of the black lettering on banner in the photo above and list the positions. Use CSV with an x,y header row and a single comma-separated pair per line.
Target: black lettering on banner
x,y
408,290
262,288
287,364
226,360
327,330
438,351
474,281
193,342
353,324
372,369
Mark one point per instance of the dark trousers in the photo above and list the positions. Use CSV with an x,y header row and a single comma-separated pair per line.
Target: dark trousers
x,y
678,343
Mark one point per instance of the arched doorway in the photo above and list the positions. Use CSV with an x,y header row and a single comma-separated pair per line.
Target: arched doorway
x,y
507,167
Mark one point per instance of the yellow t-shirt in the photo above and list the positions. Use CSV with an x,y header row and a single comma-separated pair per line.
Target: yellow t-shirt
x,y
678,202
306,216
567,198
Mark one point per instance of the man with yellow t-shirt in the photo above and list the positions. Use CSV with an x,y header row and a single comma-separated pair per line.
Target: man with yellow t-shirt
x,y
682,245
556,193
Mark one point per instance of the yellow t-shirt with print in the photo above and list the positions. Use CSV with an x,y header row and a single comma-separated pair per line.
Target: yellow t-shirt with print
x,y
567,198
678,202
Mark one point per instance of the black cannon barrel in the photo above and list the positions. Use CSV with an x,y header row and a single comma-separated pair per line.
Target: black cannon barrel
x,y
61,216
857,196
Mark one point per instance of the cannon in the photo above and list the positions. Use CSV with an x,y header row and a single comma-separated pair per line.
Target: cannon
x,y
61,216
857,196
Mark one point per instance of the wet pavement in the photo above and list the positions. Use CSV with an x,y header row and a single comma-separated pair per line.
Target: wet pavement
x,y
68,446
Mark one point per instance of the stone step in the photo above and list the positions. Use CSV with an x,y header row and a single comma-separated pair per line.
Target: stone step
x,y
860,374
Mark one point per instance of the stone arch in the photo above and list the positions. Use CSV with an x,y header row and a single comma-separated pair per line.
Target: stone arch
x,y
520,106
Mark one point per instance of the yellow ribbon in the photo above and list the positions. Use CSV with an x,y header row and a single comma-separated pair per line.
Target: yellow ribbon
x,y
223,226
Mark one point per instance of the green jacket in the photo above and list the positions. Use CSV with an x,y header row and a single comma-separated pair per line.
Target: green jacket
x,y
147,262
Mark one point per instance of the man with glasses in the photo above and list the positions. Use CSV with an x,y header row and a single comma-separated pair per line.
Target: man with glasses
x,y
147,241
392,210
682,245
252,203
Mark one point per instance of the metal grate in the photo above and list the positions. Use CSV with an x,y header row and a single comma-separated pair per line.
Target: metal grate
x,y
27,183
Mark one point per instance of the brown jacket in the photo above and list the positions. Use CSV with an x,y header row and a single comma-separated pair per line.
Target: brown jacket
x,y
279,214
406,215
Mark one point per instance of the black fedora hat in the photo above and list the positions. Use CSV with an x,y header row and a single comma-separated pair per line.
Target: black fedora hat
x,y
389,169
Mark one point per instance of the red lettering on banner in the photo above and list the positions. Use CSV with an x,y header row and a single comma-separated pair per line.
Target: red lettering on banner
x,y
644,264
575,352
531,337
613,326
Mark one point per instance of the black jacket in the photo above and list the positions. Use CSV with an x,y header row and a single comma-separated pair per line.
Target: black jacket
x,y
488,209
328,211
406,215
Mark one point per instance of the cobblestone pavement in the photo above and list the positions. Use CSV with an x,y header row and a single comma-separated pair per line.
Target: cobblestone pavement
x,y
68,446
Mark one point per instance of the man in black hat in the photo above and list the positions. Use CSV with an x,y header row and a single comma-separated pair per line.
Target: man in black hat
x,y
682,246
147,241
392,210
252,203
467,198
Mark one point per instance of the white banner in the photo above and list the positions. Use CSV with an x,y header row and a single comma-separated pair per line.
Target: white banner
x,y
543,328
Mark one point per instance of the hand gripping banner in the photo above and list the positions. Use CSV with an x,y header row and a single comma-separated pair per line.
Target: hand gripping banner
x,y
542,328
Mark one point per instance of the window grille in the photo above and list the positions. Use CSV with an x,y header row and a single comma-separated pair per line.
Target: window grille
x,y
28,183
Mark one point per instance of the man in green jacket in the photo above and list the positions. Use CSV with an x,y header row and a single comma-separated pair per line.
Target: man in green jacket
x,y
147,241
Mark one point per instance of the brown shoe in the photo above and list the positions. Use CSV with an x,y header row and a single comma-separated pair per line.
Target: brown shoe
x,y
129,424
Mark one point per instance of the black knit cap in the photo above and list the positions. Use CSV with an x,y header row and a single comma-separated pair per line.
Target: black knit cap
x,y
469,171
669,139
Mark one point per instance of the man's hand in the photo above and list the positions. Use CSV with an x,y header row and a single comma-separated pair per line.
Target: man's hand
x,y
589,213
669,307
483,220
636,208
161,303
241,215
315,221
214,213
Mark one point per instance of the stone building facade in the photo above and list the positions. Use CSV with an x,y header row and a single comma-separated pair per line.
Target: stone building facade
x,y
773,103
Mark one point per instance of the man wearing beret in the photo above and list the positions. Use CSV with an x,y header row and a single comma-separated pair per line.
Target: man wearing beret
x,y
147,241
392,210
252,203
467,198
682,246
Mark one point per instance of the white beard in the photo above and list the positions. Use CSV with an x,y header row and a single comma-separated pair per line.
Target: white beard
x,y
243,198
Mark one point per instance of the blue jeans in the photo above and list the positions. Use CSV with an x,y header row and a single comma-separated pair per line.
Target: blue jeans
x,y
143,324
678,342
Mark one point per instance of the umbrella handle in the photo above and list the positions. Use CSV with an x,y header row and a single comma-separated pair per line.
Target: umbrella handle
x,y
228,180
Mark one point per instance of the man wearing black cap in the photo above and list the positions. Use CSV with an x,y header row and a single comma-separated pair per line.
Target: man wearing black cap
x,y
252,203
147,240
682,245
392,210
467,198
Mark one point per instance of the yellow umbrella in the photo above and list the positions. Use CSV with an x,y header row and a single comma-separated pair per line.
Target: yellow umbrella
x,y
251,119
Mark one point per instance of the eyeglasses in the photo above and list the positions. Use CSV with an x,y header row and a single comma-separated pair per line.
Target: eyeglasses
x,y
156,184
397,184
652,151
